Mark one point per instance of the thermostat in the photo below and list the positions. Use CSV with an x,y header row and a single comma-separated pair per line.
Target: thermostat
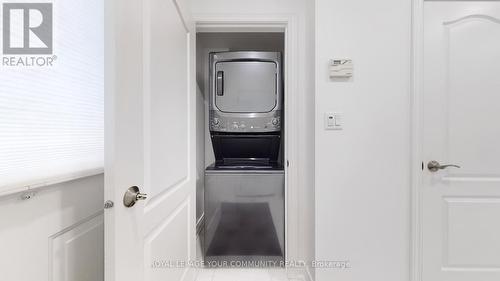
x,y
341,68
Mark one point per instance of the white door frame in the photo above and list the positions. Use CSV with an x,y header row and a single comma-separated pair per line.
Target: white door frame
x,y
288,25
416,157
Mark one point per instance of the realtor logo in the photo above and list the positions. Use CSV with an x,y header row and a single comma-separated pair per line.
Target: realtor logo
x,y
27,28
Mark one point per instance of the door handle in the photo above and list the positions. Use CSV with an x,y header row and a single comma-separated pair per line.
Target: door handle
x,y
220,83
132,195
434,166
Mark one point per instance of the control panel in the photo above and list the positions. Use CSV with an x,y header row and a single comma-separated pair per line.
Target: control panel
x,y
244,124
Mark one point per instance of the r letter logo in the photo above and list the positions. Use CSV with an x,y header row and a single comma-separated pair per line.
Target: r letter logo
x,y
27,28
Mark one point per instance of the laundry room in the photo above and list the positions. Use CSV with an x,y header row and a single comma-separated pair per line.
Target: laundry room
x,y
263,140
241,147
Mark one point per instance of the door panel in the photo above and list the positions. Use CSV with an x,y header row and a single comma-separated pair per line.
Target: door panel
x,y
169,241
150,141
461,207
471,222
74,252
247,87
166,99
473,89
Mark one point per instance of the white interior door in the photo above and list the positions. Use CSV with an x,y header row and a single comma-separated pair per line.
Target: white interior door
x,y
150,141
461,125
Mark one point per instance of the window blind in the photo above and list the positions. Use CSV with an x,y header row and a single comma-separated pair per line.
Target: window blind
x,y
52,117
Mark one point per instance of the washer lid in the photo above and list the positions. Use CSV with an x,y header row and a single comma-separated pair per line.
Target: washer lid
x,y
246,86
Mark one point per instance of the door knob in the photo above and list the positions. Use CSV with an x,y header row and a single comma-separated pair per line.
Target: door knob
x,y
434,166
132,195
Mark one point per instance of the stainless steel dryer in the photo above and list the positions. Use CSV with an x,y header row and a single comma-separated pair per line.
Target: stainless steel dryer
x,y
245,92
245,110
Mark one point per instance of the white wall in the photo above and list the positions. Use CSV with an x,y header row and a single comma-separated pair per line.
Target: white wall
x,y
362,172
58,235
303,11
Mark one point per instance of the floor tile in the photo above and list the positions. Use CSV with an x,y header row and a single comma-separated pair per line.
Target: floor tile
x,y
205,274
277,274
241,274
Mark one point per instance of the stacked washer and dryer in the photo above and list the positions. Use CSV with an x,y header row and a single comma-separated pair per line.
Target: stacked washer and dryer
x,y
244,188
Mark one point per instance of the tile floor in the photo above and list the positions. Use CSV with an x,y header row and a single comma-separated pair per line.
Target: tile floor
x,y
239,274
242,274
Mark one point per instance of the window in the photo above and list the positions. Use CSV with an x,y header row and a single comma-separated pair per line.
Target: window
x,y
52,116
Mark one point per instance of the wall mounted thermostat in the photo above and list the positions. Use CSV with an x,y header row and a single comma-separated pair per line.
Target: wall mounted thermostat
x,y
341,68
333,121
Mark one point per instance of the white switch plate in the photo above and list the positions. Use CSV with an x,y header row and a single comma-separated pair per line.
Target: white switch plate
x,y
333,121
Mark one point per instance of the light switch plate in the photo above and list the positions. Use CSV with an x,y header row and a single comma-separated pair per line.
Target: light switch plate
x,y
333,121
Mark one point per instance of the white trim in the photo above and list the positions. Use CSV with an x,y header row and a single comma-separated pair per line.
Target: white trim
x,y
308,275
300,273
416,141
200,224
288,25
40,183
111,16
475,16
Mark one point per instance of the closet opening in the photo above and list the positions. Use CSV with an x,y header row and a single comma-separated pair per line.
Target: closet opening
x,y
241,147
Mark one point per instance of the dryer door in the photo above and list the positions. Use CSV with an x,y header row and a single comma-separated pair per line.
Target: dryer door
x,y
245,86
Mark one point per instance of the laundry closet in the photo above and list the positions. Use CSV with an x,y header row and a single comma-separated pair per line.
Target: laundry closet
x,y
241,147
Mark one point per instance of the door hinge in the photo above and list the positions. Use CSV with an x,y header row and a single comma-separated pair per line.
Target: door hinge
x,y
28,195
108,204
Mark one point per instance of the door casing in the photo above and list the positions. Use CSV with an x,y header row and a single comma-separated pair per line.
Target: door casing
x,y
416,137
